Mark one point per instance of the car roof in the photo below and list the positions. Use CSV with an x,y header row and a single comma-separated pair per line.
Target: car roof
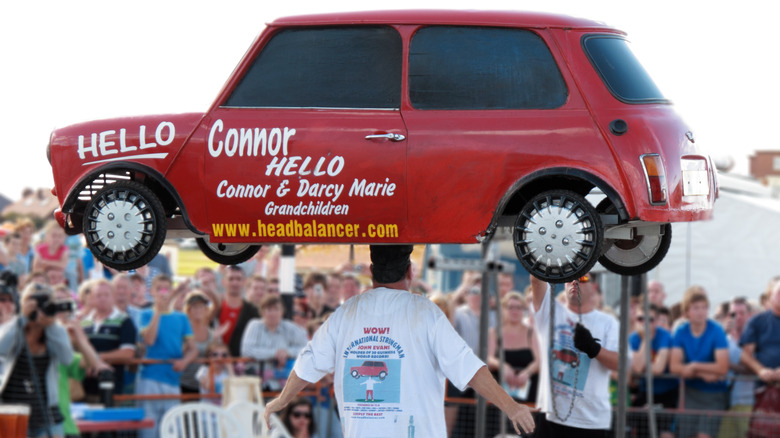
x,y
446,17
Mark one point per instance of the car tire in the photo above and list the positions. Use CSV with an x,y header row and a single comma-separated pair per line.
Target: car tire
x,y
355,374
124,225
639,255
227,253
382,375
558,236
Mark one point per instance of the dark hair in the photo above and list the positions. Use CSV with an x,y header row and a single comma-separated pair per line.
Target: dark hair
x,y
389,263
298,401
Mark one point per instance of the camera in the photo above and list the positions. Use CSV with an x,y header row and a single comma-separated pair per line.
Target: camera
x,y
49,307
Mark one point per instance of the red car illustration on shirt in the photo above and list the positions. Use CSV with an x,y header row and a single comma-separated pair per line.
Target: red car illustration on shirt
x,y
567,356
370,369
402,127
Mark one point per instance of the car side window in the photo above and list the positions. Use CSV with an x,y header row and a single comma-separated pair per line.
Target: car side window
x,y
326,67
476,68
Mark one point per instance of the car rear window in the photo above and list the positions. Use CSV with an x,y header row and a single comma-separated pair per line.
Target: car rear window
x,y
621,71
475,68
329,67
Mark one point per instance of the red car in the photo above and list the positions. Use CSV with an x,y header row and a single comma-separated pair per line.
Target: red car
x,y
402,127
370,369
567,356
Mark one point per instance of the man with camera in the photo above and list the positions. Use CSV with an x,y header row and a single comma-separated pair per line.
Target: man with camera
x,y
32,345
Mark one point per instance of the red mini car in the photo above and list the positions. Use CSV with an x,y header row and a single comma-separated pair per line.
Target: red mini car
x,y
402,127
369,369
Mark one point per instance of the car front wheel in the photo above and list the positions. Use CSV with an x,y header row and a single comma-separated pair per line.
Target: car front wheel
x,y
227,253
558,236
382,375
124,225
355,374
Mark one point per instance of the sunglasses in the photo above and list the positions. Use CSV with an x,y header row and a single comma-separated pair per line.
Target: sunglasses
x,y
641,318
584,279
223,354
5,299
299,414
515,308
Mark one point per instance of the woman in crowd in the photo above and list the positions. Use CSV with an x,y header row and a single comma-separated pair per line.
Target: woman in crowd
x,y
521,353
196,307
298,420
35,337
700,355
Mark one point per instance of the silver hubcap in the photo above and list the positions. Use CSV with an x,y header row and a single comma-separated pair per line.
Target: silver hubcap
x,y
228,249
635,253
557,234
122,223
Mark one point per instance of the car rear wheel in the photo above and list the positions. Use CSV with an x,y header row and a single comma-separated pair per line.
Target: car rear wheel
x,y
124,225
355,374
558,236
227,253
382,375
638,255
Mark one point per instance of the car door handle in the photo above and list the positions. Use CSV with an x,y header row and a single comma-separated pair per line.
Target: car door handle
x,y
389,136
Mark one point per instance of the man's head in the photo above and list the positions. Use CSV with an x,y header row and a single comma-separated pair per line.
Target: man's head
x,y
123,290
641,316
656,293
695,305
350,286
588,293
161,289
390,263
271,311
506,282
773,303
234,281
256,288
740,312
103,296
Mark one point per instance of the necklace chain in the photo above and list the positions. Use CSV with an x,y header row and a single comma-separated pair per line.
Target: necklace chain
x,y
551,356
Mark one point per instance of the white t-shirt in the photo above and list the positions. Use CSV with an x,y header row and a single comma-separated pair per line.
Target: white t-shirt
x,y
403,342
592,408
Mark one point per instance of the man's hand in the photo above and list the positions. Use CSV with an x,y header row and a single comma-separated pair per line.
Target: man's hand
x,y
768,375
584,341
522,419
689,370
272,407
281,357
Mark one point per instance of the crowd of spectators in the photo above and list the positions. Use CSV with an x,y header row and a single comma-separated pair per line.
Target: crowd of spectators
x,y
171,325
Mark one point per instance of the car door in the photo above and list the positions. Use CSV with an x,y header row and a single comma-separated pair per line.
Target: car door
x,y
309,145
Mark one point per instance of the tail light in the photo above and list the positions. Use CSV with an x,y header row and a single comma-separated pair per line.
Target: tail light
x,y
655,176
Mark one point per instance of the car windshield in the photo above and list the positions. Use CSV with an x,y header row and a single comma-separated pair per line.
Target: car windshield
x,y
621,71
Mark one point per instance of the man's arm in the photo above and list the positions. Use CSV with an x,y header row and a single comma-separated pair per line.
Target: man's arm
x,y
291,389
609,359
520,415
190,353
149,333
749,359
538,288
720,367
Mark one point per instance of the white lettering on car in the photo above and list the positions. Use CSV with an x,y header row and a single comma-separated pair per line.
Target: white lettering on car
x,y
103,144
250,142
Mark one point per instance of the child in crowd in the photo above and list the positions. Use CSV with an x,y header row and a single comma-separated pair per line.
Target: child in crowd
x,y
217,353
52,252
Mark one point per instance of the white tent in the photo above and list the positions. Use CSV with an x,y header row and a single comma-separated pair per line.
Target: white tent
x,y
734,254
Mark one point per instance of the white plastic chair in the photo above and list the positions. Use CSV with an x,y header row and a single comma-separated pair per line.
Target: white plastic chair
x,y
251,416
209,420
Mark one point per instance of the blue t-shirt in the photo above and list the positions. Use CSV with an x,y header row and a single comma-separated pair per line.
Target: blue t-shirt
x,y
702,349
764,331
173,330
662,339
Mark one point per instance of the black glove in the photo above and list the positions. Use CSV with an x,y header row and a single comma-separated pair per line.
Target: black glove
x,y
584,341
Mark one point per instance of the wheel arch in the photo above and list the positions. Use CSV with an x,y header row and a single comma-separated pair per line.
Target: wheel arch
x,y
85,189
566,178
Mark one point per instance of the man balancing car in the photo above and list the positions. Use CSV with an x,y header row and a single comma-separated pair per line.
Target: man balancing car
x,y
417,344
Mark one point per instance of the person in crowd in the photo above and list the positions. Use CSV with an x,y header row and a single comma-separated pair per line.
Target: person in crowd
x,y
26,229
663,319
298,418
469,280
256,288
217,353
232,312
85,361
196,307
741,396
665,391
521,349
417,338
37,338
442,301
113,335
52,252
74,270
272,341
760,341
314,286
167,337
55,276
139,295
582,352
301,314
122,286
86,299
331,296
506,284
15,261
8,283
656,293
700,355
273,286
350,286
